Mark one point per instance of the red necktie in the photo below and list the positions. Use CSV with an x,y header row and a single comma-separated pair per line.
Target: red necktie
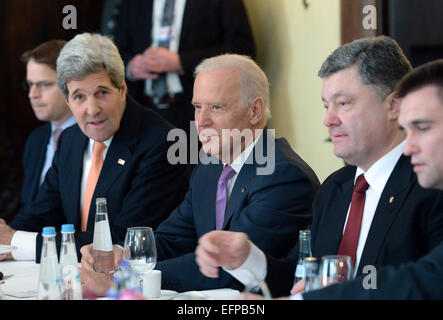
x,y
349,241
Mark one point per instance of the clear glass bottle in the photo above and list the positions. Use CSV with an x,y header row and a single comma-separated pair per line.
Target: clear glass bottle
x,y
304,252
311,274
49,276
70,276
102,243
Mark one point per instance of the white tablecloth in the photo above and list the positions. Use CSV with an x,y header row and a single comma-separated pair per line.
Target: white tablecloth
x,y
23,284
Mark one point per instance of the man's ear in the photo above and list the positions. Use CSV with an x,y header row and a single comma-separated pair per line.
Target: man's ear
x,y
394,106
256,111
124,89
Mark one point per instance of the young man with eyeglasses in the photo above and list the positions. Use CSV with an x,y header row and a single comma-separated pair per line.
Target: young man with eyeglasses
x,y
48,105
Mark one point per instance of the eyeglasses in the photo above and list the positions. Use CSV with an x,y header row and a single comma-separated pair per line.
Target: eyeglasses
x,y
40,86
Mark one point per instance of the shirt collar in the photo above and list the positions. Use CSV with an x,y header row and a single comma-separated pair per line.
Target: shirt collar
x,y
71,121
91,144
379,173
240,160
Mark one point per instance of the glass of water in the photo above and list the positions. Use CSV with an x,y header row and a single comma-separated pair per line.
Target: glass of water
x,y
140,251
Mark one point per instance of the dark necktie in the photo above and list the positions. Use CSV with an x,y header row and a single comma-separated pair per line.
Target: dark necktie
x,y
349,241
159,88
222,195
55,137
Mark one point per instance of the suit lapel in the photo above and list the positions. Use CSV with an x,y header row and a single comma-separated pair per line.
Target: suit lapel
x,y
335,215
40,160
245,178
74,174
393,196
208,188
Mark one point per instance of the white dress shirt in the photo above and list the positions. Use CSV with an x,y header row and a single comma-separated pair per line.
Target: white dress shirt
x,y
376,176
26,241
50,149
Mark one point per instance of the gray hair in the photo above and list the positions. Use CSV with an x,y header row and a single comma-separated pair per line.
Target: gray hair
x,y
253,81
379,61
88,53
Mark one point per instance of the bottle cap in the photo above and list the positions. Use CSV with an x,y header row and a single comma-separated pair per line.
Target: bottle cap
x,y
67,228
305,233
48,231
310,259
100,201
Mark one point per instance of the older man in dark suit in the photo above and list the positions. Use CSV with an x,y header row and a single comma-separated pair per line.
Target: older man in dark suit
x,y
250,182
398,220
118,150
421,117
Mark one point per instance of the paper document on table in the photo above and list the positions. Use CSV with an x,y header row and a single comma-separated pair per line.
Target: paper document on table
x,y
21,294
20,287
216,294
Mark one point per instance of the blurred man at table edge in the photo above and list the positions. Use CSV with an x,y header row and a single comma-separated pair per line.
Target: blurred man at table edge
x,y
48,105
400,221
231,95
117,150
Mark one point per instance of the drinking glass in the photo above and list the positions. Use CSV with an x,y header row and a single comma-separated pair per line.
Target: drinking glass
x,y
335,269
140,251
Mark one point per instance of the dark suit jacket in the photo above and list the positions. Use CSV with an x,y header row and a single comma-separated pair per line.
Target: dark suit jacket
x,y
143,191
271,209
401,231
209,28
422,279
33,161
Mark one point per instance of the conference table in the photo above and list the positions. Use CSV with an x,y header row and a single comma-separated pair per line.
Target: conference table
x,y
21,280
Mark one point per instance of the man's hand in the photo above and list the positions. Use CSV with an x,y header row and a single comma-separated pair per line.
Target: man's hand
x,y
142,68
97,283
162,60
6,234
221,248
298,287
88,259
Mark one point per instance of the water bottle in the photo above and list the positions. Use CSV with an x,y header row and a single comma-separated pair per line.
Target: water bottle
x,y
70,276
311,274
102,243
305,251
49,277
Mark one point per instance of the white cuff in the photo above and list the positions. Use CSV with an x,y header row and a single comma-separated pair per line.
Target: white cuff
x,y
297,296
255,263
26,245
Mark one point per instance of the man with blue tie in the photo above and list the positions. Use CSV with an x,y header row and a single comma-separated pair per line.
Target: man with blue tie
x,y
48,105
247,180
117,150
